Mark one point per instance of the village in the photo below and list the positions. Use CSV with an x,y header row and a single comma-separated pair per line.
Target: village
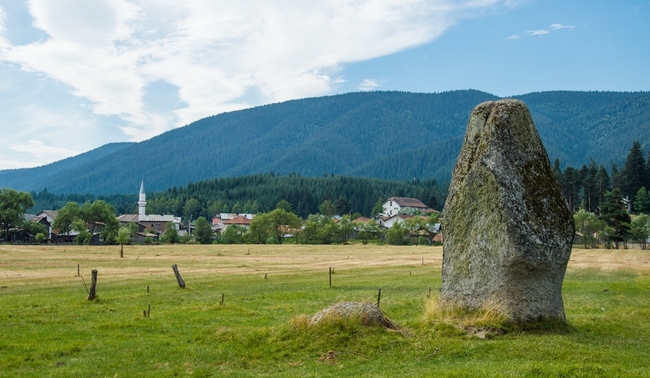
x,y
411,222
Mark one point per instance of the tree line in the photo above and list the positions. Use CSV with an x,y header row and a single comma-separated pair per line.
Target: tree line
x,y
262,192
585,188
602,203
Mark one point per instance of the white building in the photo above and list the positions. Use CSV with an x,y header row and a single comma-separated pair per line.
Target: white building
x,y
394,204
155,222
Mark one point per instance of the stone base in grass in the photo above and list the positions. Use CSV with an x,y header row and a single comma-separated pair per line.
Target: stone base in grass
x,y
366,313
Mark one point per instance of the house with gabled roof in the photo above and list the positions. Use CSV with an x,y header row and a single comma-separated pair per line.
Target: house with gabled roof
x,y
239,220
395,205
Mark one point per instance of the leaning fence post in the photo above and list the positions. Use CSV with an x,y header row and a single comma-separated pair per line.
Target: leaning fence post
x,y
181,283
93,285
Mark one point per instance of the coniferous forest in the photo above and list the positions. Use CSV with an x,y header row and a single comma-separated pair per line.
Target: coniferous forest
x,y
261,193
583,188
384,135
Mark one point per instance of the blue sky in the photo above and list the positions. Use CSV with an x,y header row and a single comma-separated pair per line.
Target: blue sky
x,y
76,74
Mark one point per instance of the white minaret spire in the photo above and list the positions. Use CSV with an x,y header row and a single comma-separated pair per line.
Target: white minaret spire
x,y
142,202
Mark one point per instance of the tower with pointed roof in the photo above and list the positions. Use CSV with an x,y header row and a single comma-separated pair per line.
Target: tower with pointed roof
x,y
142,202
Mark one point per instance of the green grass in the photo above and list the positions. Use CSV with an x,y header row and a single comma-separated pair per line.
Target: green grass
x,y
48,328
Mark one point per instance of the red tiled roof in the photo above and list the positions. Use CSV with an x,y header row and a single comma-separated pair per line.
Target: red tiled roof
x,y
237,220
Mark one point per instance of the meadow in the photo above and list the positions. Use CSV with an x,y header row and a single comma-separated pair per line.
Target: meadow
x,y
49,328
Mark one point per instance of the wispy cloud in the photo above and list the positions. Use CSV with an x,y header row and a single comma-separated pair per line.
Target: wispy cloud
x,y
369,85
215,53
537,32
3,16
534,32
41,151
560,26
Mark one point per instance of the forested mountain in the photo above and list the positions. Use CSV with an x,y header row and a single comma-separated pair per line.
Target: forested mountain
x,y
261,193
36,178
390,135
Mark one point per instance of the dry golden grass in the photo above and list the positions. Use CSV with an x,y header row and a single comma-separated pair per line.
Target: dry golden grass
x,y
21,264
634,260
52,263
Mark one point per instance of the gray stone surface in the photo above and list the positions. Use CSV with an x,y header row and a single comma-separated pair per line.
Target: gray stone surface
x,y
365,313
507,229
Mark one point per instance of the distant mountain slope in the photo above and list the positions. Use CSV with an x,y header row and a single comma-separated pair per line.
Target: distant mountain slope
x,y
38,177
388,135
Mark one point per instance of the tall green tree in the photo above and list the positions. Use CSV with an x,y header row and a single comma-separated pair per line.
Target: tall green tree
x,y
378,208
634,172
191,208
13,205
398,234
342,206
613,212
123,237
100,214
272,227
603,183
203,231
233,234
588,225
171,234
83,235
571,187
617,177
642,201
66,216
640,230
327,208
284,205
367,231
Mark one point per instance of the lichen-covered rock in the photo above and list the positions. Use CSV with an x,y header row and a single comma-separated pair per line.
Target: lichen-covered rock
x,y
366,313
508,231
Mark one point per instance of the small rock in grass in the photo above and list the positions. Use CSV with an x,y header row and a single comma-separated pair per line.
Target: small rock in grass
x,y
368,314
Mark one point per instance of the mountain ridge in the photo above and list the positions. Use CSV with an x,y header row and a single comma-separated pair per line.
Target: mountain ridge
x,y
387,135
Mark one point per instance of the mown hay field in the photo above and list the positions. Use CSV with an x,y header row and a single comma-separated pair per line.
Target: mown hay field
x,y
48,328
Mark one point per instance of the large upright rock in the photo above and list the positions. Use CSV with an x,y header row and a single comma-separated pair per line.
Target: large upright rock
x,y
508,231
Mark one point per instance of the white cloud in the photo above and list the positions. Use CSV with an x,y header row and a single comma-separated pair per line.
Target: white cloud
x,y
560,26
41,151
537,32
3,16
552,27
369,85
215,52
513,37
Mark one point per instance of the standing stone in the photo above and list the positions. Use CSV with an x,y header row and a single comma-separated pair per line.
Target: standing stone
x,y
508,231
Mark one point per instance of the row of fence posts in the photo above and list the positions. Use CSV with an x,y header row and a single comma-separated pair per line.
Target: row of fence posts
x,y
92,292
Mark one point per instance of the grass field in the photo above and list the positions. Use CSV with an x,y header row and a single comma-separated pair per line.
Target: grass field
x,y
48,328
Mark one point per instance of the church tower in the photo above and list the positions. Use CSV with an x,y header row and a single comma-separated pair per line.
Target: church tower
x,y
142,202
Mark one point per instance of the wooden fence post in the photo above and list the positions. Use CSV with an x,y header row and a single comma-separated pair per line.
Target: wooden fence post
x,y
93,285
378,297
181,283
330,276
